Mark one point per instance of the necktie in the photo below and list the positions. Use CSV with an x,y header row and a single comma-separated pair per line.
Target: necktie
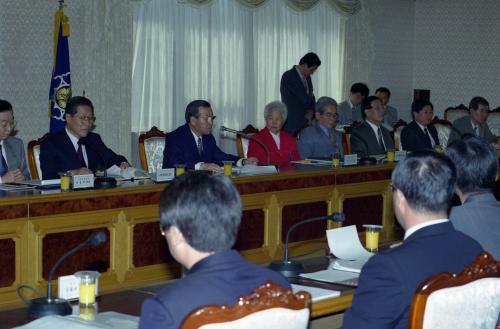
x,y
427,136
79,152
476,130
3,164
380,139
199,144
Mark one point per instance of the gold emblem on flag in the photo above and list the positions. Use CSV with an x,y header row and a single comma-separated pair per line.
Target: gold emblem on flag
x,y
63,94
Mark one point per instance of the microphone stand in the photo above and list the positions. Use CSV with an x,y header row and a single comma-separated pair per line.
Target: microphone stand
x,y
291,268
249,137
57,306
104,181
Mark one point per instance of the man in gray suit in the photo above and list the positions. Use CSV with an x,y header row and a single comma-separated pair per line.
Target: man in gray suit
x,y
13,166
391,113
321,140
475,123
350,110
479,214
371,137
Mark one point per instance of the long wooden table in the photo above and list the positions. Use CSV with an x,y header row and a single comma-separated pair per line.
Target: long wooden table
x,y
37,227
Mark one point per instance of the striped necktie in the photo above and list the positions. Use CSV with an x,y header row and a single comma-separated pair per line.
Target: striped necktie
x,y
380,139
199,144
3,164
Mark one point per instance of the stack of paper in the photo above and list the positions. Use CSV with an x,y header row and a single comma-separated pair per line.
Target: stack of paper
x,y
317,294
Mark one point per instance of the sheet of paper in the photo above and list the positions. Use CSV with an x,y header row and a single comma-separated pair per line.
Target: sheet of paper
x,y
257,170
349,265
317,294
102,320
331,276
344,243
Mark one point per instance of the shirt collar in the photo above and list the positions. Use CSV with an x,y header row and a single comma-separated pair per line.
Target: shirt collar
x,y
417,227
374,126
324,129
300,73
350,104
74,140
421,127
195,136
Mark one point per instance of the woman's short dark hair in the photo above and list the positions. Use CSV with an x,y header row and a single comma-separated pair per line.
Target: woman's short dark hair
x,y
205,208
192,110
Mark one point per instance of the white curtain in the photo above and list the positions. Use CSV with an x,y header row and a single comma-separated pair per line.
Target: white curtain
x,y
229,54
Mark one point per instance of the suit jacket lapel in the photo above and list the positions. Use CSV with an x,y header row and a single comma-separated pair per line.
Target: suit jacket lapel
x,y
11,156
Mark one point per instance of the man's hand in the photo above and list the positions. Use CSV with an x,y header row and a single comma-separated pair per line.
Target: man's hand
x,y
250,161
211,167
13,176
124,165
81,171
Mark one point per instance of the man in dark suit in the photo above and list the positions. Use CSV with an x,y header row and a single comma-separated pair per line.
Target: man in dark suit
x,y
297,91
420,134
76,149
13,167
479,214
193,144
371,137
200,215
423,186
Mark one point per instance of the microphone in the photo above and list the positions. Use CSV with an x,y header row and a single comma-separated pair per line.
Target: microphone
x,y
249,137
55,306
290,267
105,181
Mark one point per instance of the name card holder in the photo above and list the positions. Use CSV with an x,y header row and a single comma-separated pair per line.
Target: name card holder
x,y
399,155
350,160
163,175
83,181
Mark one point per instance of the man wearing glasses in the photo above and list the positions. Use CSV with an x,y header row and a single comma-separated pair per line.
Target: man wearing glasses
x,y
193,144
13,166
321,140
75,148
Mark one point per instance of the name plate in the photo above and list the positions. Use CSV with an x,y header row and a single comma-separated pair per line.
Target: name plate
x,y
163,175
399,155
83,181
350,159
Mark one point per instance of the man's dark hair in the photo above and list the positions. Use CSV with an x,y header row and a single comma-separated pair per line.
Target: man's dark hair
x,y
192,110
476,163
383,90
310,59
74,102
367,104
205,208
419,104
427,180
361,88
476,101
5,106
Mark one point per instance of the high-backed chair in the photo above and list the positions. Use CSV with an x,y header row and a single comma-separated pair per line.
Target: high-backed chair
x,y
268,307
469,299
453,113
151,146
396,133
242,143
443,128
494,121
346,136
34,156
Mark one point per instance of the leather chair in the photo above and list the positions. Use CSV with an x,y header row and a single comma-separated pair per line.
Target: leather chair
x,y
242,143
443,128
453,113
151,146
34,157
469,299
396,133
269,306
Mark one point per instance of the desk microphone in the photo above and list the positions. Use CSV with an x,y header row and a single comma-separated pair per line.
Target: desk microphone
x,y
249,137
290,267
57,306
104,181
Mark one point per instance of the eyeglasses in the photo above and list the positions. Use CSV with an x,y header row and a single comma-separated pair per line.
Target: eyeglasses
x,y
330,115
206,118
85,118
10,124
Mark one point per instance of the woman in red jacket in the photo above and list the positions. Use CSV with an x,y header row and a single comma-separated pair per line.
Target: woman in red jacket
x,y
281,146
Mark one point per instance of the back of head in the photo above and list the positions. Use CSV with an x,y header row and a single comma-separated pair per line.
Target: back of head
x,y
476,163
310,59
5,106
205,208
427,181
367,104
193,107
476,101
74,102
361,88
419,104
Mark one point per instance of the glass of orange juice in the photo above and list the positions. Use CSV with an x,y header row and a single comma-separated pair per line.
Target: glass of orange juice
x,y
88,284
372,233
228,168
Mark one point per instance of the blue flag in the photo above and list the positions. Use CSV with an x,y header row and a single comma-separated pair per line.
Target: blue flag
x,y
60,85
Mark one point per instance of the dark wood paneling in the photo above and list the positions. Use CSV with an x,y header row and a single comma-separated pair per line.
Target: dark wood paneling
x,y
363,210
149,246
286,184
295,213
7,262
54,245
359,177
251,233
13,211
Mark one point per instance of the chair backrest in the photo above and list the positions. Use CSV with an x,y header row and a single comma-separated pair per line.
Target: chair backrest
x,y
151,146
396,133
242,143
494,121
269,306
453,113
469,299
34,157
443,128
346,136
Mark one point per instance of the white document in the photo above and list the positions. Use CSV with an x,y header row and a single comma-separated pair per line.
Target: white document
x,y
102,320
127,173
332,276
344,243
349,265
317,294
249,170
